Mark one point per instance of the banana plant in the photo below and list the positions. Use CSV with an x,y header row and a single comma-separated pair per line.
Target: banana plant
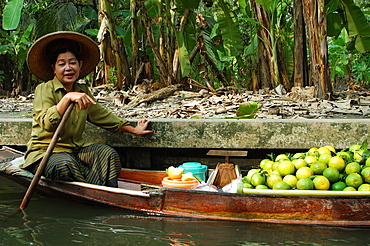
x,y
12,14
16,45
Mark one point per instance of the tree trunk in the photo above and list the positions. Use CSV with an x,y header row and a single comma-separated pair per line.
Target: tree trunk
x,y
300,48
316,24
117,58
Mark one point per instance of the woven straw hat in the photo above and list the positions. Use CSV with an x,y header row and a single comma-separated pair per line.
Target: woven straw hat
x,y
39,54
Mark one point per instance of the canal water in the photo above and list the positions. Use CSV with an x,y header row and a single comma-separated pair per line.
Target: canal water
x,y
49,221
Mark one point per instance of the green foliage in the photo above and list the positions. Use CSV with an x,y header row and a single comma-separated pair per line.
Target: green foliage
x,y
12,14
248,110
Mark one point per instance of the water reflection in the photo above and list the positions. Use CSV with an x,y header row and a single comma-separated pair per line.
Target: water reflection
x,y
54,222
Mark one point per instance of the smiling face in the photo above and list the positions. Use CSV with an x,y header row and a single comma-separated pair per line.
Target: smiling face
x,y
67,69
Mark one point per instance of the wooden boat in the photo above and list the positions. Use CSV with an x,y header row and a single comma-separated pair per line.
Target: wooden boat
x,y
140,190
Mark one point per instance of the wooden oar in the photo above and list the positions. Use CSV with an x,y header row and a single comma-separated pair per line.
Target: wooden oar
x,y
49,151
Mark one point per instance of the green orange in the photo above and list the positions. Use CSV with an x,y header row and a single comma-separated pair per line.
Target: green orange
x,y
332,174
305,184
354,180
364,187
321,183
318,167
337,162
304,172
352,167
272,179
281,185
286,167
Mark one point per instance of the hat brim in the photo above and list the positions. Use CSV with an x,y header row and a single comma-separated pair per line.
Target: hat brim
x,y
38,61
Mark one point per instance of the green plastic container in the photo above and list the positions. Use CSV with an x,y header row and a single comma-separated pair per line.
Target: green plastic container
x,y
196,168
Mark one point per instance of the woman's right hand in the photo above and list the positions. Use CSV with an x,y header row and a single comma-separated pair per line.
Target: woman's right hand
x,y
82,99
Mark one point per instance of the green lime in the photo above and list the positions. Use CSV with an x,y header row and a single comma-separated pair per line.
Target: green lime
x,y
339,186
364,187
272,179
286,167
313,152
318,167
337,162
291,180
349,188
323,150
354,180
321,183
281,157
332,174
353,167
305,184
304,172
258,179
262,187
248,186
324,158
281,185
298,163
366,174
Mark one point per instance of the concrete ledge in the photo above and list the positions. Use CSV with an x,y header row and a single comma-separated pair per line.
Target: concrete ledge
x,y
217,133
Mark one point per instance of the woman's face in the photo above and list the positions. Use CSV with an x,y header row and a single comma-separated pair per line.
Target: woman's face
x,y
67,68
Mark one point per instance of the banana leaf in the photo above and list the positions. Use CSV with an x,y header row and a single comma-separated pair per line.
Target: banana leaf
x,y
12,14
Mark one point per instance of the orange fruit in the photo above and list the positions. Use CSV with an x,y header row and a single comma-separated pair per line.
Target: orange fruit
x,y
272,179
286,167
313,152
364,187
331,148
175,172
250,174
323,150
268,165
349,188
366,174
332,174
354,180
305,184
337,162
367,163
258,187
325,158
275,166
321,183
258,179
310,159
353,167
281,185
291,180
304,172
281,157
318,167
262,163
299,156
354,147
299,163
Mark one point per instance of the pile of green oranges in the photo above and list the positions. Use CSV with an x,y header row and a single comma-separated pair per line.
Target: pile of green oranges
x,y
320,168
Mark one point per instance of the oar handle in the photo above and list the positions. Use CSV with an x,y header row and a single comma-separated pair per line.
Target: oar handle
x,y
49,151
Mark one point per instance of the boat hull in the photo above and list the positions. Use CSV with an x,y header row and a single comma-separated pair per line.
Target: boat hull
x,y
335,210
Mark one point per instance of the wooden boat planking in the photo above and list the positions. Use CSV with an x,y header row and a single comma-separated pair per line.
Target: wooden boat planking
x,y
333,208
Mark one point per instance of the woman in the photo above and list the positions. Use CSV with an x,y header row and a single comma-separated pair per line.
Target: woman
x,y
61,59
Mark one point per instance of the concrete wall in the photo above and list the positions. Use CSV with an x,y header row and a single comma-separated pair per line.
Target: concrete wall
x,y
176,141
225,134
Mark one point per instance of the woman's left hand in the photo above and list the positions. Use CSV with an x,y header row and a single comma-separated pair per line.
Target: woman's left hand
x,y
140,128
